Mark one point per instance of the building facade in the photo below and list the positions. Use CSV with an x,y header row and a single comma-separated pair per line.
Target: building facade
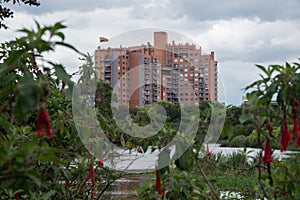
x,y
143,75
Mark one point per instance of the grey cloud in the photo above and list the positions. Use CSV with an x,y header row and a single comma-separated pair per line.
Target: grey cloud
x,y
263,54
224,9
193,9
77,5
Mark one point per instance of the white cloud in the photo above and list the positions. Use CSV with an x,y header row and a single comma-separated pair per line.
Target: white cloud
x,y
252,39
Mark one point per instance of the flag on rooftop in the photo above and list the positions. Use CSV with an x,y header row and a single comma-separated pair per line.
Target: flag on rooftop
x,y
103,39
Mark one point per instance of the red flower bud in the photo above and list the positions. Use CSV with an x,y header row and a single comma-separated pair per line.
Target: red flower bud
x,y
100,162
91,179
285,137
140,150
296,130
296,102
67,185
267,158
158,184
208,153
43,120
285,192
296,127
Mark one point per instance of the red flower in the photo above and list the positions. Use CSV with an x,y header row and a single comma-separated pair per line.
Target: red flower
x,y
140,150
208,153
296,130
100,162
91,176
17,196
67,185
285,137
296,127
91,179
285,192
158,184
267,158
43,120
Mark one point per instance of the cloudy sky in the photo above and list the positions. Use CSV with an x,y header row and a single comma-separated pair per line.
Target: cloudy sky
x,y
241,32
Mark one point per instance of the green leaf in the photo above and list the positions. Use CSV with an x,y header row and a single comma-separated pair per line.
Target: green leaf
x,y
70,47
244,117
262,68
48,195
122,140
145,146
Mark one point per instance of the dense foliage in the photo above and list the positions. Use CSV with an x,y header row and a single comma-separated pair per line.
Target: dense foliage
x,y
42,157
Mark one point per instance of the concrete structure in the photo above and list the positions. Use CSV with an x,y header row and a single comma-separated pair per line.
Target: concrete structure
x,y
165,71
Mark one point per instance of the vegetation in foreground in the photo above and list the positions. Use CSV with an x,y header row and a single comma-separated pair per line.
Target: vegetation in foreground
x,y
42,157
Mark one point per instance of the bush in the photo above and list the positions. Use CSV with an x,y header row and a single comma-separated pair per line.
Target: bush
x,y
238,141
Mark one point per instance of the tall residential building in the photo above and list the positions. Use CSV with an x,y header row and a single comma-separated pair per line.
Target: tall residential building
x,y
165,71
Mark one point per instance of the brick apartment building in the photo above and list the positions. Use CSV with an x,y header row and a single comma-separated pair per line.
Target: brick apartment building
x,y
165,71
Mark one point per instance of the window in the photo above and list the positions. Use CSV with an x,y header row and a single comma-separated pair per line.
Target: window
x,y
184,49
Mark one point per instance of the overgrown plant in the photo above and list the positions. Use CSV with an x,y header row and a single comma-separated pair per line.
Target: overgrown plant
x,y
274,102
